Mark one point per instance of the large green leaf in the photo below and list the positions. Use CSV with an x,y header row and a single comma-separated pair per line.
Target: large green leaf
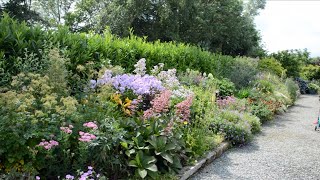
x,y
152,167
167,157
142,173
133,163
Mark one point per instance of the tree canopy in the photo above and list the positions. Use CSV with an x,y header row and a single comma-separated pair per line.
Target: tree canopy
x,y
217,25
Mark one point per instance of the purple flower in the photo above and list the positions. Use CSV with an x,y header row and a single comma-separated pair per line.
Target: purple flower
x,y
90,168
68,176
37,178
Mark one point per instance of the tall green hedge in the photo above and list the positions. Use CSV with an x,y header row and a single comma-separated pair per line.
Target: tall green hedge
x,y
80,48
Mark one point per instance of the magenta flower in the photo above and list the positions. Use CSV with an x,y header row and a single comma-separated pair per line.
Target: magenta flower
x,y
37,178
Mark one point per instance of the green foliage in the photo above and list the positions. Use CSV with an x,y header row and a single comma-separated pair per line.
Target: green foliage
x,y
232,127
292,60
271,65
310,72
313,88
243,93
293,89
225,87
242,71
211,25
254,122
20,48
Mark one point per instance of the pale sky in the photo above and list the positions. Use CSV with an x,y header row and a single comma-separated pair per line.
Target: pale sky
x,y
290,25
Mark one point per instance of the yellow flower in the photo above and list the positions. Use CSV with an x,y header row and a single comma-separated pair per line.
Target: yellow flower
x,y
185,122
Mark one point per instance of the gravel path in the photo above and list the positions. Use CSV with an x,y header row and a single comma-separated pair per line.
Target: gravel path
x,y
287,148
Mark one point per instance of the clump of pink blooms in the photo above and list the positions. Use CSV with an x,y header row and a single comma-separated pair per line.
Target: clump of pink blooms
x,y
48,144
86,137
159,104
183,109
226,101
67,130
91,125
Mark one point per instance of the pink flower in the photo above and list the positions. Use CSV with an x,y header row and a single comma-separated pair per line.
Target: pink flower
x,y
90,125
37,178
159,104
86,137
48,145
183,109
66,130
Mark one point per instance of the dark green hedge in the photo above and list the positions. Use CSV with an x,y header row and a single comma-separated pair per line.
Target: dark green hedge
x,y
81,48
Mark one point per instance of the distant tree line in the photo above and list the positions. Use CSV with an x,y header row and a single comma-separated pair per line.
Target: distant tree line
x,y
221,26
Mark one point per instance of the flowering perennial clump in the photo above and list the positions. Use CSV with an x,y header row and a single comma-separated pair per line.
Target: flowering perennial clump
x,y
226,101
183,109
159,104
140,67
91,125
140,85
48,145
67,130
86,137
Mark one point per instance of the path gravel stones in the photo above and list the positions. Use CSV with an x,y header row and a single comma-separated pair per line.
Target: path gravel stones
x,y
287,148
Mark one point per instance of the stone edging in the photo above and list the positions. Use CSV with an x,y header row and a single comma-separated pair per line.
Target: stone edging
x,y
188,171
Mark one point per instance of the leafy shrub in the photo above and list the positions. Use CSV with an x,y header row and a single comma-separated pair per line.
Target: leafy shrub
x,y
237,134
225,87
310,72
235,127
254,122
243,71
243,93
293,89
313,88
291,60
261,110
271,65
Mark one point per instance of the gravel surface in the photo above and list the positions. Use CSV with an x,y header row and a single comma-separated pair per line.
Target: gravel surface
x,y
287,148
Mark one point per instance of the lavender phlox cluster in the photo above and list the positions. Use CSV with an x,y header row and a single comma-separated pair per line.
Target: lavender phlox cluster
x,y
226,101
183,109
106,78
140,85
140,67
89,174
68,176
48,144
159,104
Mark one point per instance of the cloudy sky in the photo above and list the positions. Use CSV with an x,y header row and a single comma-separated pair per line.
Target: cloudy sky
x,y
290,25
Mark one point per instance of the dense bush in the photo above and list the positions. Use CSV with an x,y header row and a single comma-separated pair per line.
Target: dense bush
x,y
271,65
310,72
232,127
